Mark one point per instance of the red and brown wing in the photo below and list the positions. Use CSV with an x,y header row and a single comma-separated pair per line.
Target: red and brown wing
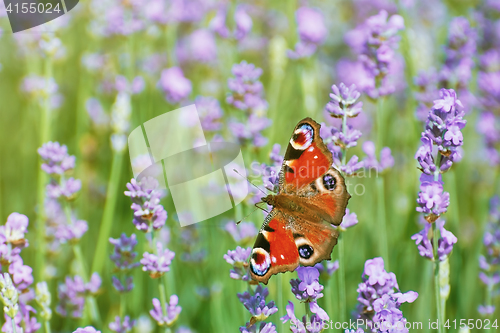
x,y
274,250
306,157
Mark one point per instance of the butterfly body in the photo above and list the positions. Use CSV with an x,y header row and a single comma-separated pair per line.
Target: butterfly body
x,y
311,198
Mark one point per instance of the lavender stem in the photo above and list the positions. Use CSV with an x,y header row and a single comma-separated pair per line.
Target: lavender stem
x,y
42,180
107,217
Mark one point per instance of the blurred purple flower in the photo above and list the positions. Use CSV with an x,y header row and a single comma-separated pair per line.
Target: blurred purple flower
x,y
174,85
157,264
172,311
96,112
22,275
242,20
242,232
64,188
327,267
123,85
486,310
200,47
247,92
249,132
239,260
148,212
210,113
375,41
122,327
56,159
72,294
311,30
371,162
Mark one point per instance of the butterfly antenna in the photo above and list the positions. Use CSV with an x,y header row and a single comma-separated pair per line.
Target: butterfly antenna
x,y
248,180
253,211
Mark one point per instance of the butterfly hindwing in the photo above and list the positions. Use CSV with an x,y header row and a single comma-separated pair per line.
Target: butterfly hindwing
x,y
274,250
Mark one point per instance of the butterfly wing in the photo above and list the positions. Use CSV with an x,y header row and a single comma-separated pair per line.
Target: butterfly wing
x,y
306,157
274,250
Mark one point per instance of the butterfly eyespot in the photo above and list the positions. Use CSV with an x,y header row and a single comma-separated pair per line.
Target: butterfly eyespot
x,y
306,251
260,262
329,182
302,138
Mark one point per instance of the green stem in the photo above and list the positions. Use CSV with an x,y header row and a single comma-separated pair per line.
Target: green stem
x,y
42,179
109,210
341,277
308,312
281,305
381,213
436,278
382,218
13,325
46,325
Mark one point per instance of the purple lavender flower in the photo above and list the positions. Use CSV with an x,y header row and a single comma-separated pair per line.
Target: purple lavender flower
x,y
56,158
349,220
256,303
22,275
432,200
88,329
239,260
157,264
123,252
175,86
247,92
172,311
311,30
344,101
486,310
242,232
314,325
148,212
307,288
352,166
379,296
122,327
210,113
14,230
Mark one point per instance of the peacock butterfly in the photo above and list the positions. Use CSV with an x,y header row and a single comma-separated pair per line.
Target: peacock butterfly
x,y
311,197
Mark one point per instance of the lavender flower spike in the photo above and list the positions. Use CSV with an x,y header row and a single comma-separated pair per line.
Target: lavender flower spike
x,y
256,303
122,327
157,265
172,311
343,101
148,212
239,260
